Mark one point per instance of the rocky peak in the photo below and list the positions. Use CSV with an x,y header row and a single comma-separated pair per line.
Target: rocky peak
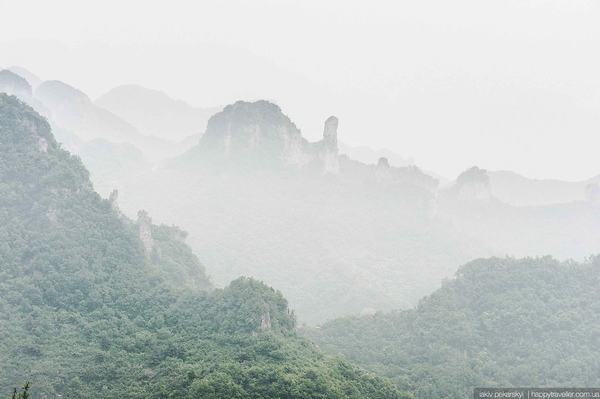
x,y
259,134
252,132
473,185
383,170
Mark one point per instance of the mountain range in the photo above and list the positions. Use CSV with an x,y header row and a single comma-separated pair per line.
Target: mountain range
x,y
102,295
155,113
309,218
97,305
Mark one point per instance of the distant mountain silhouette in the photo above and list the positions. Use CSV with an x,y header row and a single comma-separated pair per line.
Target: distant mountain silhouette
x,y
155,113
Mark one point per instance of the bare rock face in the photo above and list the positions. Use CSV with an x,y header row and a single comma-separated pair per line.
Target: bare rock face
x,y
259,135
253,133
473,185
145,232
295,154
329,153
383,172
265,321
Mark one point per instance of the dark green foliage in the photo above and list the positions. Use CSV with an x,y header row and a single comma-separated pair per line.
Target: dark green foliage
x,y
21,394
501,322
86,312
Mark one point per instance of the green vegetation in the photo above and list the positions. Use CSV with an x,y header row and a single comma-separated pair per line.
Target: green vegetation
x,y
23,393
501,322
88,310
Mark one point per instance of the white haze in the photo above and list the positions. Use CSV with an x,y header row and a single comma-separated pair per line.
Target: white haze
x,y
505,85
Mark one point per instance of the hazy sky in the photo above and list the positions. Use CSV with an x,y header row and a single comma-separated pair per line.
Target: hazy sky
x,y
506,84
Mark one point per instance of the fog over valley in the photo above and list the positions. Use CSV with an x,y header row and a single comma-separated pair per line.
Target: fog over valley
x,y
282,199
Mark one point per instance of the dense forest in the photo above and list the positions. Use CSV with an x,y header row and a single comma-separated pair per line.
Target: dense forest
x,y
95,305
500,322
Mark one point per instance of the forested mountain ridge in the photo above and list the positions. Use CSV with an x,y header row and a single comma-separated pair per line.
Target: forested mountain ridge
x,y
501,322
92,305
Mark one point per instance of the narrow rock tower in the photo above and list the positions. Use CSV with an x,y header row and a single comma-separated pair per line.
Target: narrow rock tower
x,y
329,150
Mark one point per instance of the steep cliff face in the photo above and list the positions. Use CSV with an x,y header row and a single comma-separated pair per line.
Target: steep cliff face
x,y
328,152
253,133
259,135
473,185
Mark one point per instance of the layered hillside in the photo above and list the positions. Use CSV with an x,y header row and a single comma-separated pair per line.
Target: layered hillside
x,y
14,84
95,305
71,109
500,322
155,113
569,230
518,190
146,119
260,200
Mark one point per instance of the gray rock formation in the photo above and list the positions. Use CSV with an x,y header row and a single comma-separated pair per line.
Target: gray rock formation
x,y
265,321
383,172
259,134
329,151
144,223
473,185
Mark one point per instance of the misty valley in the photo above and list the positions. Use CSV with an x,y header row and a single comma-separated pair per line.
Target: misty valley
x,y
154,249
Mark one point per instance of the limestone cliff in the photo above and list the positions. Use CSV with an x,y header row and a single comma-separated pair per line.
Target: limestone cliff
x,y
473,185
259,135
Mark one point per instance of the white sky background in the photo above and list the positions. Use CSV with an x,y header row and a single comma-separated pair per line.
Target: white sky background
x,y
505,84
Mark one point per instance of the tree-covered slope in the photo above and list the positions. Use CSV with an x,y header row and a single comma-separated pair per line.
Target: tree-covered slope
x,y
500,322
94,305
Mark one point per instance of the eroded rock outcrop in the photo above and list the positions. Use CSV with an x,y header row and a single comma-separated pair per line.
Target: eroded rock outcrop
x,y
144,223
329,151
259,135
383,171
473,185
